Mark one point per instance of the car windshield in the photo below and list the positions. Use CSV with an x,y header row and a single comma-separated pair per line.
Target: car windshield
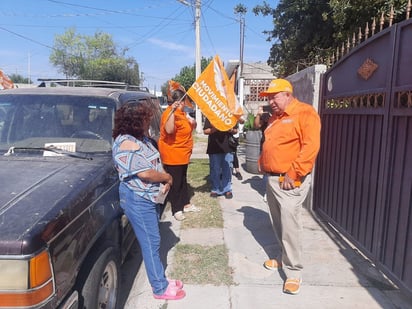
x,y
72,123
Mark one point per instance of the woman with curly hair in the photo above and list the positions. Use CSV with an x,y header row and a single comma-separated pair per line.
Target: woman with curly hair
x,y
141,175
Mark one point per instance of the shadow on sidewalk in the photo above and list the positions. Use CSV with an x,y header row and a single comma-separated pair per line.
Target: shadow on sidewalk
x,y
256,182
169,240
134,260
259,224
361,264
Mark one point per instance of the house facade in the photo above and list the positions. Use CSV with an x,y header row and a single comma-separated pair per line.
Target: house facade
x,y
252,79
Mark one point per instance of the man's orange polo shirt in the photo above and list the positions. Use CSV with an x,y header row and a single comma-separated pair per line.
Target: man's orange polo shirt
x,y
176,148
292,141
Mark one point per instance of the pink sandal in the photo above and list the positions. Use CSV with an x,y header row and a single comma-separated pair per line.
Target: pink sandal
x,y
171,293
177,283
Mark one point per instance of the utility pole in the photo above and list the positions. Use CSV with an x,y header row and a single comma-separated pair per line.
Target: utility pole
x,y
28,68
241,77
242,40
198,69
141,79
241,10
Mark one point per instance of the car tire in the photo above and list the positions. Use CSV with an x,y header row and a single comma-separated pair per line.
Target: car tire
x,y
102,284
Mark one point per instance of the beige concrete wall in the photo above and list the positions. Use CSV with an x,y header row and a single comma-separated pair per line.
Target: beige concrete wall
x,y
306,84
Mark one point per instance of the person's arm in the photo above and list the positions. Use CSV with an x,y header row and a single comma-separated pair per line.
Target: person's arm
x,y
149,175
258,121
192,121
170,127
209,131
208,128
310,144
155,176
233,130
170,123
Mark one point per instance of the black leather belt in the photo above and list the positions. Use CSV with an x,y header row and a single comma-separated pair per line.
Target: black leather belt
x,y
275,174
302,179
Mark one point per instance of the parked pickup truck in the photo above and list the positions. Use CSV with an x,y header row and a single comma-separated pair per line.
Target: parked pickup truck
x,y
63,236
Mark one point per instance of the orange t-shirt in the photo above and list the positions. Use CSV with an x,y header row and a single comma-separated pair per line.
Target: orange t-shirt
x,y
176,148
292,141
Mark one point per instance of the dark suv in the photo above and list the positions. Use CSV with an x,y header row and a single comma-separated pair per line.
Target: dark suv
x,y
63,236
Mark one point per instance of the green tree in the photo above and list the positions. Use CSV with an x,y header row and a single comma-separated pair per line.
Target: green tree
x,y
187,75
300,33
240,9
19,79
306,32
93,57
348,16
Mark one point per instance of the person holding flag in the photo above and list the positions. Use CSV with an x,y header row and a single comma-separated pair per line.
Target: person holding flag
x,y
175,147
214,94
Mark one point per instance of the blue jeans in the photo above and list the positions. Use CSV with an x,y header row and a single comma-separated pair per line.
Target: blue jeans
x,y
144,217
221,172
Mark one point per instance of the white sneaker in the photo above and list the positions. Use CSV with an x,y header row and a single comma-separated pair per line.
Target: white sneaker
x,y
179,216
191,208
264,198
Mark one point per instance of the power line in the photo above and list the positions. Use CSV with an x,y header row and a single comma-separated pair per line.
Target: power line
x,y
26,38
125,12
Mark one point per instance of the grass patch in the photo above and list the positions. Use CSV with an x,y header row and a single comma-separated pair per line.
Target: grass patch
x,y
211,214
196,264
202,265
199,137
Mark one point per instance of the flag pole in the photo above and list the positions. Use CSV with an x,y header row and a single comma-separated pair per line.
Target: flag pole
x,y
173,109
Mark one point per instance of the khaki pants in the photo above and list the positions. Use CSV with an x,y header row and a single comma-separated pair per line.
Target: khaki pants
x,y
285,209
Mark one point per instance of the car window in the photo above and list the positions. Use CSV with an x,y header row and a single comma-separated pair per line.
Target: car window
x,y
154,130
155,127
163,102
39,120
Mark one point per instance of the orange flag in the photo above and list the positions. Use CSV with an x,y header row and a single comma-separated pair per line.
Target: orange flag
x,y
214,94
5,81
173,86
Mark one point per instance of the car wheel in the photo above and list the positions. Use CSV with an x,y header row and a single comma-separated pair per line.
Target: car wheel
x,y
102,285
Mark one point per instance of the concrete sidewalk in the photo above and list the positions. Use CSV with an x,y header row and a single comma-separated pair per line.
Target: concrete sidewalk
x,y
336,275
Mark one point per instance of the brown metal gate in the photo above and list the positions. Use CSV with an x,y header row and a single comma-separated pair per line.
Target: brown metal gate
x,y
363,179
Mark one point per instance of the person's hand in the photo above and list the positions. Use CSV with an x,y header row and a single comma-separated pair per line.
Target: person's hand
x,y
210,130
166,188
232,130
169,180
176,105
260,110
286,183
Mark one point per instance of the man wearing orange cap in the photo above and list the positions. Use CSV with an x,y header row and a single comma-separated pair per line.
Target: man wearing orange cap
x,y
292,141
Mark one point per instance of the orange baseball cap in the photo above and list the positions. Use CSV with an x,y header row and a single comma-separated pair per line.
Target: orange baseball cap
x,y
277,85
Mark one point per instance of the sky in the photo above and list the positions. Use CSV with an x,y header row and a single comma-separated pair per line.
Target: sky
x,y
158,34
